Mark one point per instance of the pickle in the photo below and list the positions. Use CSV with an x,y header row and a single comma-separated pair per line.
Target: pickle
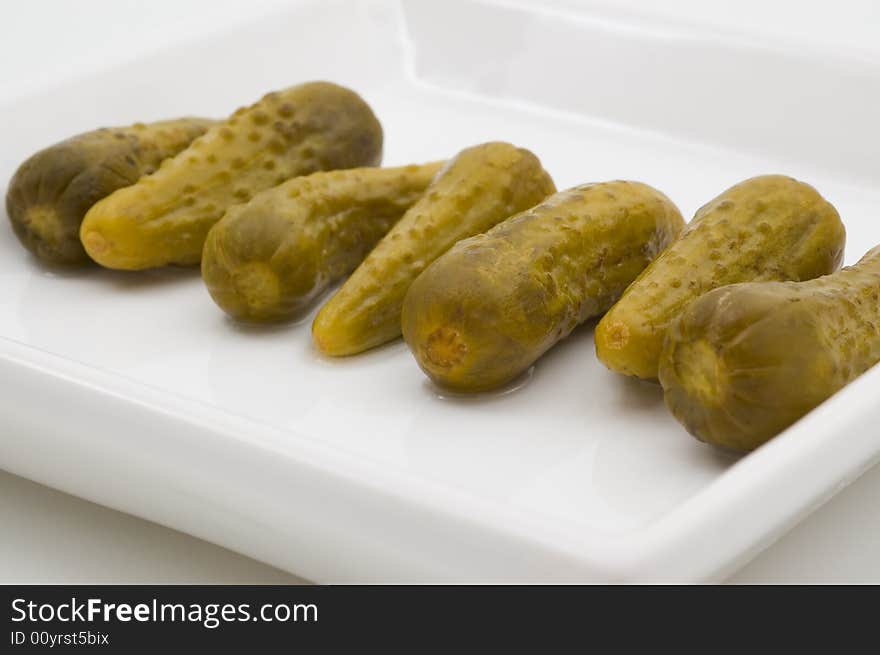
x,y
165,217
267,260
768,228
477,189
485,311
744,362
54,188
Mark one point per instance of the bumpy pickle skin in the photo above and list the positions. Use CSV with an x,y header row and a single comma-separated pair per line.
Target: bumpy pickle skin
x,y
53,189
767,228
478,188
165,217
267,260
485,311
745,361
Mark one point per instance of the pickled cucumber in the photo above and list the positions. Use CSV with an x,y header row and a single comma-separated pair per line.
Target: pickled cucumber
x,y
478,188
267,260
766,228
745,361
54,188
164,218
483,312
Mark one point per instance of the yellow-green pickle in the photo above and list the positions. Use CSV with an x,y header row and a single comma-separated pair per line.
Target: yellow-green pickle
x,y
165,217
744,362
768,228
268,260
493,304
53,189
478,188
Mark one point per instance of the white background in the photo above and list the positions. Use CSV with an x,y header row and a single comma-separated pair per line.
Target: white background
x,y
51,537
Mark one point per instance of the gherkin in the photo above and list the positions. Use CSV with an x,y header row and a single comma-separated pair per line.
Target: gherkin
x,y
483,312
268,259
478,188
745,361
766,228
165,217
53,189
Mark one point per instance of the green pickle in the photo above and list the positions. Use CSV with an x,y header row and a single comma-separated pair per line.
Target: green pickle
x,y
53,189
768,228
165,217
269,259
745,361
485,311
477,189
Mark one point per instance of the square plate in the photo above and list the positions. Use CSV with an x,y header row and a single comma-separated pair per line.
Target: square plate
x,y
134,390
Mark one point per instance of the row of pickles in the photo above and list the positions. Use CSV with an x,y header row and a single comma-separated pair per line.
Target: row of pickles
x,y
742,314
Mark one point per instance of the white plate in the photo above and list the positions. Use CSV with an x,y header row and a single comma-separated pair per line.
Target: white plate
x,y
134,391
